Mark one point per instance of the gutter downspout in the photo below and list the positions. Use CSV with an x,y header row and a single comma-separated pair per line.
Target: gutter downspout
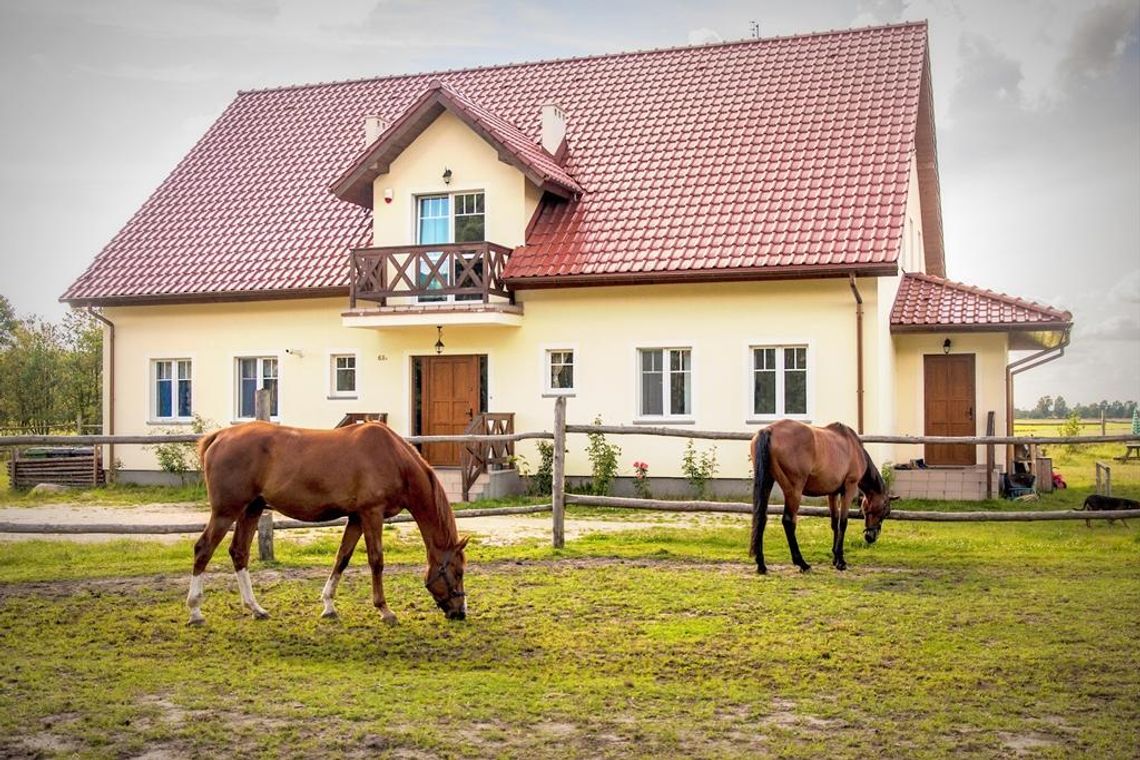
x,y
1016,367
109,421
858,348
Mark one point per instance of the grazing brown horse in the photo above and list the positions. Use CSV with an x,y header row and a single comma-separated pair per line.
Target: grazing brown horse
x,y
365,472
812,461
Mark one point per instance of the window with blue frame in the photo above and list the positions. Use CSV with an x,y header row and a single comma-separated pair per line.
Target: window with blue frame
x,y
172,395
256,373
445,219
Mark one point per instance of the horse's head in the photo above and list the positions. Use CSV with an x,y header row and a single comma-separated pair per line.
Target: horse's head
x,y
876,507
876,503
444,580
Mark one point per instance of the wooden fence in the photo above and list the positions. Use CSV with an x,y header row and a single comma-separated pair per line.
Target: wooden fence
x,y
560,498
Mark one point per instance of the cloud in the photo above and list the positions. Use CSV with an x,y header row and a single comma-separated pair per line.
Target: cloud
x,y
1120,327
1101,36
704,36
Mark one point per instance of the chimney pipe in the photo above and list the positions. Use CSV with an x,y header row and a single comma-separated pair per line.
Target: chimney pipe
x,y
553,127
374,126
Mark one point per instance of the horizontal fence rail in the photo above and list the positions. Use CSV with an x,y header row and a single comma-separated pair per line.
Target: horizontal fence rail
x,y
98,440
739,507
175,528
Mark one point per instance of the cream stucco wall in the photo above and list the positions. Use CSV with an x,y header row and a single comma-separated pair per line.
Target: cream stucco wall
x,y
991,352
604,327
448,143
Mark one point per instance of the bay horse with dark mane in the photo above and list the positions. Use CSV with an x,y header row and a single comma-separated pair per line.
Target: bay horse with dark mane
x,y
365,472
812,461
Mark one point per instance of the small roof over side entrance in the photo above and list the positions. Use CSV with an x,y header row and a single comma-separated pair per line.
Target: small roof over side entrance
x,y
925,303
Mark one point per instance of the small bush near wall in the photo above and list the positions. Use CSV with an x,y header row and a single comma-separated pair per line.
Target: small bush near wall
x,y
603,459
699,468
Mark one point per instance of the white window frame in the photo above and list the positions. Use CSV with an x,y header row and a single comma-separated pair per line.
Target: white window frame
x,y
175,365
667,414
547,357
333,356
781,402
260,356
449,273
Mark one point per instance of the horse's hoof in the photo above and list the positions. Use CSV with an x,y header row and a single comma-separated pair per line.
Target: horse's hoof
x,y
805,568
761,569
260,615
840,565
388,617
330,615
196,621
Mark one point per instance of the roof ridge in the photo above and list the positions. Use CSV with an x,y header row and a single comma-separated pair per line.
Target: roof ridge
x,y
977,290
578,58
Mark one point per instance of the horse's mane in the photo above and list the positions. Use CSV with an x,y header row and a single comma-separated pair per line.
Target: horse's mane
x,y
872,480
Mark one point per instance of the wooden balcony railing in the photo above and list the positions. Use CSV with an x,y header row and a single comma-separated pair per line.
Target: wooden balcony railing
x,y
467,271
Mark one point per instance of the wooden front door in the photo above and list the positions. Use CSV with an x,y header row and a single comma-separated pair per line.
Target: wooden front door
x,y
450,388
950,407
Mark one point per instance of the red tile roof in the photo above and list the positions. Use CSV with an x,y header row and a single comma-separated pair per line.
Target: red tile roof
x,y
778,157
926,303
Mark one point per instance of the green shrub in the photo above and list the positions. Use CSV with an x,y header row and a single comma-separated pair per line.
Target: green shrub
x,y
603,461
542,484
699,468
181,458
1071,428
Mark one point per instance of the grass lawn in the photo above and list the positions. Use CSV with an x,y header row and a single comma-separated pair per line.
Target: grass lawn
x,y
942,640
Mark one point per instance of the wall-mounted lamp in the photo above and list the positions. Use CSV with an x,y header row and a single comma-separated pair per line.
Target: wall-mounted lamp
x,y
388,195
446,176
295,352
946,346
439,339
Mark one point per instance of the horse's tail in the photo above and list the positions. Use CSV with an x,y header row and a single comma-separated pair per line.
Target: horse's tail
x,y
203,444
761,488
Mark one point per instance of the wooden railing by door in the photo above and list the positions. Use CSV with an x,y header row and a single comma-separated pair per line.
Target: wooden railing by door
x,y
476,457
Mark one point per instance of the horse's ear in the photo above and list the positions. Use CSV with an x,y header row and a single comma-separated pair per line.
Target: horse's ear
x,y
463,543
894,498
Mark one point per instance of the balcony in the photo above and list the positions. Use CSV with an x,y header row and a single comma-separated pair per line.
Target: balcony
x,y
456,283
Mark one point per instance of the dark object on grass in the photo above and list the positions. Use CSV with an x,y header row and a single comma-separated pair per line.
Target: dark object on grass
x,y
1097,503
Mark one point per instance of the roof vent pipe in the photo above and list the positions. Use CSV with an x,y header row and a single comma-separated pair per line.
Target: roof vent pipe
x,y
374,126
553,127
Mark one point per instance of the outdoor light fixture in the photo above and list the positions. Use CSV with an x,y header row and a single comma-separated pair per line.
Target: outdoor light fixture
x,y
446,176
439,335
946,346
388,195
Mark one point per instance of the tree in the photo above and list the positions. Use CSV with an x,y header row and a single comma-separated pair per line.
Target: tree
x,y
1060,408
81,368
8,323
1044,406
28,375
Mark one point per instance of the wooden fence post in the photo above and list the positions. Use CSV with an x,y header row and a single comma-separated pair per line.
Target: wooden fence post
x,y
558,489
261,408
989,457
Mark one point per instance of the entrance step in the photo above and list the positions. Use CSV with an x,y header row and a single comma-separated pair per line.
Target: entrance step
x,y
452,480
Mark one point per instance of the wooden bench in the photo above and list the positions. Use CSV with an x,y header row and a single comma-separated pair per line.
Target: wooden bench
x,y
1131,451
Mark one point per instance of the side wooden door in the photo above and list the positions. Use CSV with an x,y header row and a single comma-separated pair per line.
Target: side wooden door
x,y
950,407
450,401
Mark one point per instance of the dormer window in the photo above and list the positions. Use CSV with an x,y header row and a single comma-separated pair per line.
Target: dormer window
x,y
443,220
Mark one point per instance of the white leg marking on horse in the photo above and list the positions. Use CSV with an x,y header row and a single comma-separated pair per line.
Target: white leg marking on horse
x,y
194,600
245,587
328,594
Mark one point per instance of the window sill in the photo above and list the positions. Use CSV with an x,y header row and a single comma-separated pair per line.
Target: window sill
x,y
680,420
179,421
241,420
342,398
774,418
568,393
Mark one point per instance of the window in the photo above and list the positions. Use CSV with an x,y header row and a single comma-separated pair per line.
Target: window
x,y
256,373
171,389
443,219
560,371
666,382
779,381
343,381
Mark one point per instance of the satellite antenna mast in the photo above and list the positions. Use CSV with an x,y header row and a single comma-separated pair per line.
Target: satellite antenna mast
x,y
754,26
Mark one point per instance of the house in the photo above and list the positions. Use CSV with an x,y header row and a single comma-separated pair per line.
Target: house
x,y
713,237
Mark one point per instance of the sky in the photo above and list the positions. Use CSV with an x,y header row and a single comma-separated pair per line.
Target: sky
x,y
1037,108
